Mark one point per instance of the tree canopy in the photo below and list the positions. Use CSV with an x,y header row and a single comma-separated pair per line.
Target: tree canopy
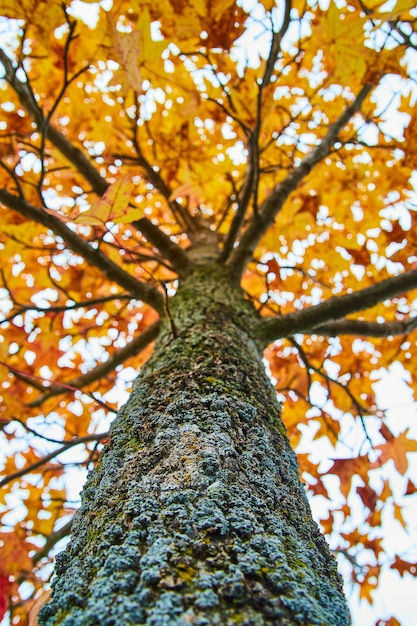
x,y
130,131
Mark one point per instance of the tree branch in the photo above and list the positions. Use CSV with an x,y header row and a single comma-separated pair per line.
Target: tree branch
x,y
312,318
48,457
275,49
172,251
274,202
74,155
131,349
53,539
65,147
154,177
250,185
138,289
364,328
243,200
65,307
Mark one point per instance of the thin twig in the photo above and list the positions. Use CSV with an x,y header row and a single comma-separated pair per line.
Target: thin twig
x,y
51,540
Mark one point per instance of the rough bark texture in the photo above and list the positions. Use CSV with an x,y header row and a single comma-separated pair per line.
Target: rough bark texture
x,y
195,513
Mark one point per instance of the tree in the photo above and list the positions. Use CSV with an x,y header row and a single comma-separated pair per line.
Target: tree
x,y
179,203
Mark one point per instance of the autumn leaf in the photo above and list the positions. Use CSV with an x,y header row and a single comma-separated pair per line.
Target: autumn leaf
x,y
391,621
344,34
4,594
397,449
345,469
401,7
403,566
369,584
126,51
113,206
368,496
411,488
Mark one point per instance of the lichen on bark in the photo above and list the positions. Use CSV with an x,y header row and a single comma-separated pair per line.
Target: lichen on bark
x,y
195,513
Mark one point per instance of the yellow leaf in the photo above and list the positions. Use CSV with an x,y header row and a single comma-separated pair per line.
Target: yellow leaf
x,y
149,48
44,525
113,206
343,36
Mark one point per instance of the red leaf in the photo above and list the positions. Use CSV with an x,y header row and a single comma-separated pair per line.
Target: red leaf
x,y
4,589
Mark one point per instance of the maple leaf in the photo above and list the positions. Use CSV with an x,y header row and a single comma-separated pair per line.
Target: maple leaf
x,y
411,488
4,594
113,206
344,35
397,448
14,560
126,51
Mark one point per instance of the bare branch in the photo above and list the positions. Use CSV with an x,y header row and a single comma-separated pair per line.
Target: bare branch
x,y
361,410
243,199
274,202
48,457
155,178
138,289
250,185
310,319
120,356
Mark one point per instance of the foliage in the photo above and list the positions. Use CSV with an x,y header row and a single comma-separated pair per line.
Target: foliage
x,y
129,131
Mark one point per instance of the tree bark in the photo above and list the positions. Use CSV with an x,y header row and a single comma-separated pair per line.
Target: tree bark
x,y
195,513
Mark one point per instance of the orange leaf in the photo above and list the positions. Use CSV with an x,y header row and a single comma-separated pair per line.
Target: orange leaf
x,y
368,496
399,515
397,449
404,566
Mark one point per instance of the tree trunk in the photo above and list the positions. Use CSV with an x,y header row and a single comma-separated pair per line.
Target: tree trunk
x,y
195,513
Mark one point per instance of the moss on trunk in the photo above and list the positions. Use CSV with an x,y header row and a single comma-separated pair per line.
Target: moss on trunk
x,y
195,513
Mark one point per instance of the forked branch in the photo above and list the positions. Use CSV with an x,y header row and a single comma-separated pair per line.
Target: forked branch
x,y
274,202
275,49
250,185
170,250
